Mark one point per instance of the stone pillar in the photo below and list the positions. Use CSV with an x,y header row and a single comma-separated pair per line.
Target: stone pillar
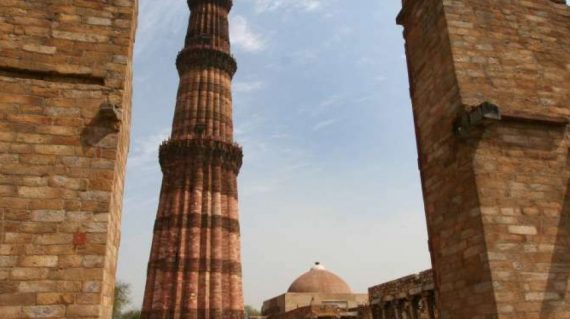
x,y
377,311
194,270
413,307
397,309
429,304
382,311
494,175
65,104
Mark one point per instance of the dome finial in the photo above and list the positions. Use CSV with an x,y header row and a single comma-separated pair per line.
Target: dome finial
x,y
318,266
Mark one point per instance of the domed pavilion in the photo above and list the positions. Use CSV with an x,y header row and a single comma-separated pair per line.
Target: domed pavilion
x,y
318,293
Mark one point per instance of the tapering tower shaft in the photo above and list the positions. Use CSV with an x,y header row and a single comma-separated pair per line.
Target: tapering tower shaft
x,y
194,269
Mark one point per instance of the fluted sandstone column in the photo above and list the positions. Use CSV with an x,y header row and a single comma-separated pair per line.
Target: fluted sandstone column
x,y
194,269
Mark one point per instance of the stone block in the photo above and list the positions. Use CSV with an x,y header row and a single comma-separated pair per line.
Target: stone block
x,y
48,215
8,261
14,312
20,299
82,37
81,311
25,274
99,21
39,261
37,286
55,298
523,230
54,311
54,239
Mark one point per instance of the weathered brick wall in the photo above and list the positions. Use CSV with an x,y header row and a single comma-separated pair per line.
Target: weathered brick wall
x,y
495,195
402,287
408,297
319,311
65,98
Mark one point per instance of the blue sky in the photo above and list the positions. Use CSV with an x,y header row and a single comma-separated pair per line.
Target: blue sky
x,y
322,110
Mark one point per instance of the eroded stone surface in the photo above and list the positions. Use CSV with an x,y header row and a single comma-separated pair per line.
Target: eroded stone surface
x,y
496,196
61,166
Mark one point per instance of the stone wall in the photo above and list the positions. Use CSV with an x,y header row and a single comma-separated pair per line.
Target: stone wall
x,y
408,297
65,101
315,312
494,175
290,301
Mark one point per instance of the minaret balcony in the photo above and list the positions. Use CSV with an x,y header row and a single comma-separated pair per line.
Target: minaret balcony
x,y
174,152
190,58
227,4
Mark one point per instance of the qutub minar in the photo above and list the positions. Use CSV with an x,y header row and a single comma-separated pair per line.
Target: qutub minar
x,y
195,265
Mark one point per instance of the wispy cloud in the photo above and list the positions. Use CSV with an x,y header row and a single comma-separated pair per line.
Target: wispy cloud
x,y
157,18
324,124
331,100
380,78
244,37
247,87
145,150
324,106
303,5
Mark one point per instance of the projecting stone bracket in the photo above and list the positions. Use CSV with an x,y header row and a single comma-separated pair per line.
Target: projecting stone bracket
x,y
111,114
476,117
486,113
107,121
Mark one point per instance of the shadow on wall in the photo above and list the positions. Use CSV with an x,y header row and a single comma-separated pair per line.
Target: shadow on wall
x,y
556,290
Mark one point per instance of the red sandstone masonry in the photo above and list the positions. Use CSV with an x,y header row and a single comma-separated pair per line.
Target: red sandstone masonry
x,y
496,197
62,156
194,269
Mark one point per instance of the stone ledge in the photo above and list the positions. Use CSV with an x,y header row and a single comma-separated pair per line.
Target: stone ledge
x,y
485,112
52,76
199,57
227,4
217,152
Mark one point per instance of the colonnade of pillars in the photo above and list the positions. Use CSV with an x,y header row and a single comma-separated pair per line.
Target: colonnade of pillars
x,y
412,307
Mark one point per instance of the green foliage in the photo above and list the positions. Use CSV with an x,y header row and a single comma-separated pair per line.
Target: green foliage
x,y
251,311
133,314
122,300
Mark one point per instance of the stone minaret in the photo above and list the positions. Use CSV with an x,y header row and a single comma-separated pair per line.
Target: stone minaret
x,y
194,269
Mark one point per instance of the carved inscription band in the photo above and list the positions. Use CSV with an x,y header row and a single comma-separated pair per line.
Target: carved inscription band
x,y
197,221
189,264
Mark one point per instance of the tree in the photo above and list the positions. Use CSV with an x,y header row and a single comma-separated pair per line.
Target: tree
x,y
122,300
122,294
251,311
132,314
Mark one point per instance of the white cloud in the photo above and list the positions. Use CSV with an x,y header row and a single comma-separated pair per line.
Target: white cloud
x,y
331,100
303,5
380,78
244,37
247,87
157,18
145,150
323,124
